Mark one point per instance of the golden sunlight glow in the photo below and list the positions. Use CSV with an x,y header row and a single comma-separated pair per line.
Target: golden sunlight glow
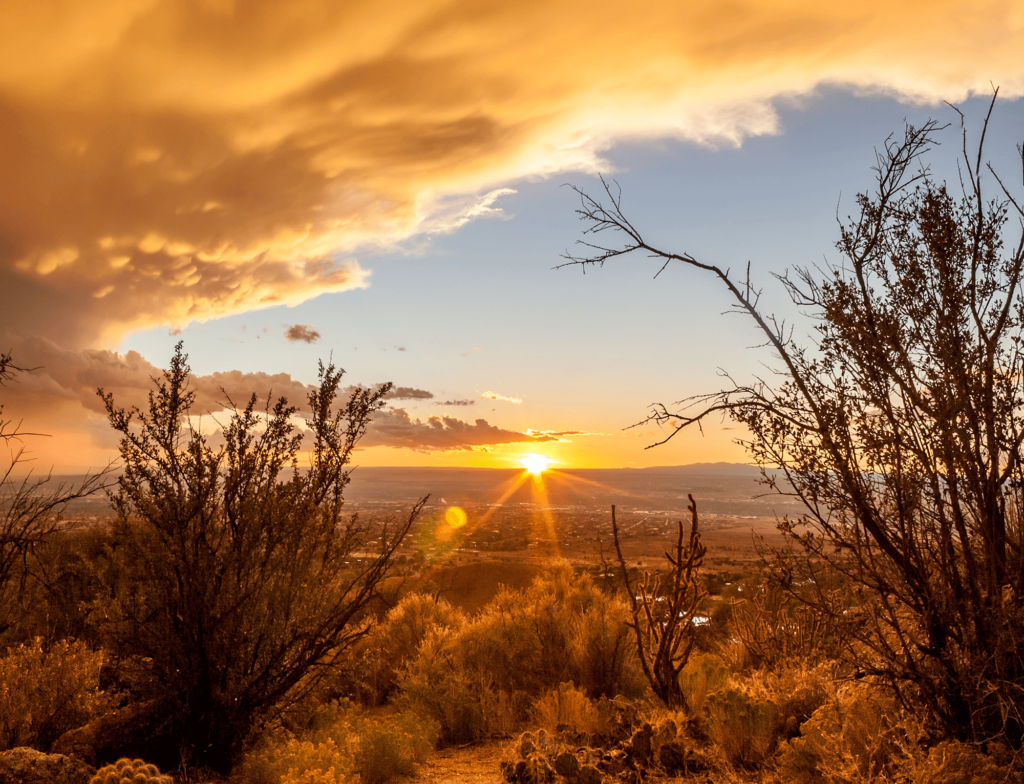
x,y
535,464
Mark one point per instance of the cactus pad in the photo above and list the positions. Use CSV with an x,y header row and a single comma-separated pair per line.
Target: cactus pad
x,y
129,771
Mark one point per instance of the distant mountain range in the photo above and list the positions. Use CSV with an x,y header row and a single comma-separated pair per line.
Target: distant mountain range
x,y
723,488
719,488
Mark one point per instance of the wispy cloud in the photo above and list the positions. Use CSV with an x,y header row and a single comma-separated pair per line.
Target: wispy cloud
x,y
496,396
453,213
563,435
456,403
304,333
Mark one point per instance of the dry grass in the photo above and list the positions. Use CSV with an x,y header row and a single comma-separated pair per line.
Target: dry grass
x,y
46,692
342,746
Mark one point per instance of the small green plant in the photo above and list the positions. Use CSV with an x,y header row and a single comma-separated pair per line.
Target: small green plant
x,y
630,747
130,771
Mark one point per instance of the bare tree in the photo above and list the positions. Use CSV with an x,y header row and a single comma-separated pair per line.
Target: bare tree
x,y
8,431
899,426
663,610
31,508
240,577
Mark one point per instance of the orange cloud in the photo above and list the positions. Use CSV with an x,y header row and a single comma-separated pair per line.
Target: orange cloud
x,y
60,376
395,428
167,161
64,381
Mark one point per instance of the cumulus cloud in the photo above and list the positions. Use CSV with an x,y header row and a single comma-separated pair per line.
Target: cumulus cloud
x,y
496,396
63,375
396,428
167,161
301,332
64,381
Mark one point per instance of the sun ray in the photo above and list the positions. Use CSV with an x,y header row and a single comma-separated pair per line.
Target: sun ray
x,y
548,531
568,478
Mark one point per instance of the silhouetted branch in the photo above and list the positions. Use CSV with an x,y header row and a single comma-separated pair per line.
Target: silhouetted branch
x,y
663,610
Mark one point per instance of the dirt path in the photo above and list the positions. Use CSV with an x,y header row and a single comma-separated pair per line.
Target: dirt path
x,y
476,764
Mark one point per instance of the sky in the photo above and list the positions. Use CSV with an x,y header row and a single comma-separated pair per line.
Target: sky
x,y
384,185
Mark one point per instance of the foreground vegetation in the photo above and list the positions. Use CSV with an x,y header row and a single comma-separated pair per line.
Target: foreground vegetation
x,y
551,670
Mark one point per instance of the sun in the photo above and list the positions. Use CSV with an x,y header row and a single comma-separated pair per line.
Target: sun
x,y
535,464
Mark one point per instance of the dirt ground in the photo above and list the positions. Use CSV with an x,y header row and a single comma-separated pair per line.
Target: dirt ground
x,y
476,764
480,763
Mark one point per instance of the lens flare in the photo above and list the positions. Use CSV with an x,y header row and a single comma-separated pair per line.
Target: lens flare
x,y
455,517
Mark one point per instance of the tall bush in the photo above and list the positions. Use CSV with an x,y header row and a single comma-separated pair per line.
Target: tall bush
x,y
235,583
898,424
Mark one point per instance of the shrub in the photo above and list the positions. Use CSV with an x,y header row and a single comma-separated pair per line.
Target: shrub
x,y
567,708
896,423
477,681
562,628
340,745
67,580
234,587
749,717
601,655
46,692
291,761
465,702
704,674
744,725
847,738
393,747
953,762
664,610
392,644
777,628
